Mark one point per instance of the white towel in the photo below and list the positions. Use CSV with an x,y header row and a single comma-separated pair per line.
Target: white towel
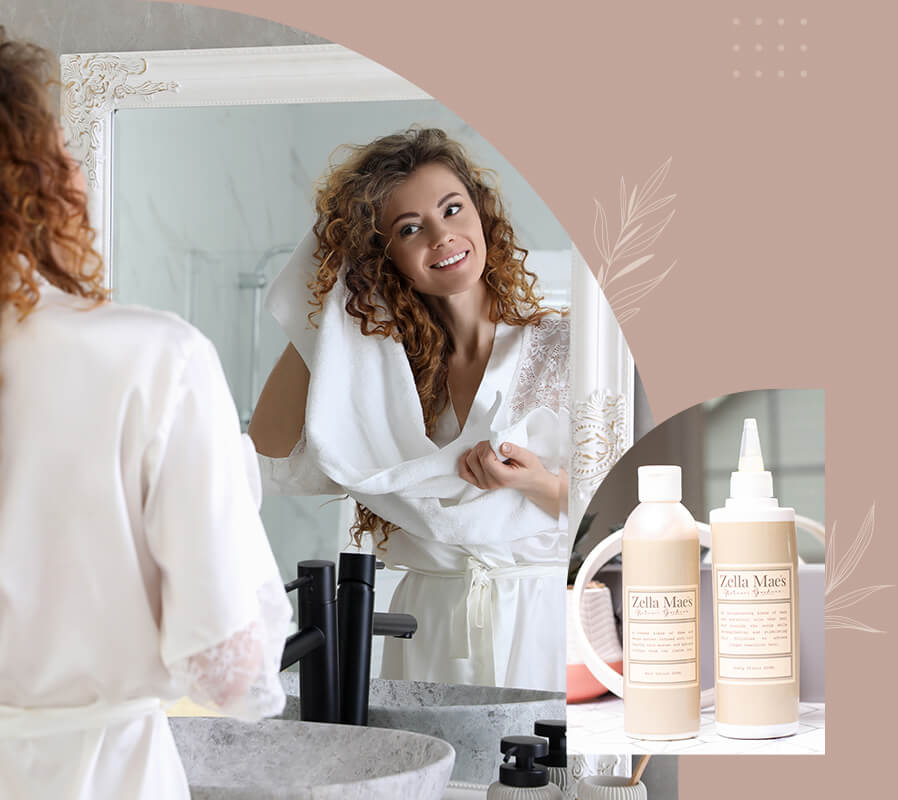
x,y
365,426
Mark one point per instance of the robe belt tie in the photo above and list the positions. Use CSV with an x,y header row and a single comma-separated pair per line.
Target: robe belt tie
x,y
477,612
27,723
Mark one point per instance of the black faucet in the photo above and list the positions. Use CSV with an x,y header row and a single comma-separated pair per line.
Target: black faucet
x,y
315,645
333,645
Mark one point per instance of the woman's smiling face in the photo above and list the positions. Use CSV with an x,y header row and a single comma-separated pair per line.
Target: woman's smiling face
x,y
433,231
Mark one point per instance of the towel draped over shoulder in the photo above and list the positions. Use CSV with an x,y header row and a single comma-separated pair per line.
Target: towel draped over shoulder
x,y
364,435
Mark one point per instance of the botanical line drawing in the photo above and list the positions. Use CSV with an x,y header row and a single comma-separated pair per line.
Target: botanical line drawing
x,y
640,227
837,573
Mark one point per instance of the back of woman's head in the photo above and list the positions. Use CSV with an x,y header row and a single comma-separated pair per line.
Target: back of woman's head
x,y
43,213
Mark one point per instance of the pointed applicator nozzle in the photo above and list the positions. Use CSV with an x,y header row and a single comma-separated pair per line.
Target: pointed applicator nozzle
x,y
750,458
751,482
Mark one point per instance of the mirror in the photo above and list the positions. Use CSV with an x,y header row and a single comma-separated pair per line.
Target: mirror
x,y
200,167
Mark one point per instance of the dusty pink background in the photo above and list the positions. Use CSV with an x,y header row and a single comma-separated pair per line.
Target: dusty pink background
x,y
786,269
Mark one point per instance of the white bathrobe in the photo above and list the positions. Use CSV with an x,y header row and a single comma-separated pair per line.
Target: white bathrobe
x,y
490,611
133,564
486,570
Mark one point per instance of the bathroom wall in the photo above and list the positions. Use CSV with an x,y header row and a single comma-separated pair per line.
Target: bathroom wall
x,y
89,26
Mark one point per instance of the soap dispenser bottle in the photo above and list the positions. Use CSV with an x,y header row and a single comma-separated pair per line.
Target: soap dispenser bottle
x,y
555,761
525,779
660,601
755,573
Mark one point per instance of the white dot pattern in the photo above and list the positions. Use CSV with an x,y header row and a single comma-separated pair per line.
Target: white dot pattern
x,y
782,37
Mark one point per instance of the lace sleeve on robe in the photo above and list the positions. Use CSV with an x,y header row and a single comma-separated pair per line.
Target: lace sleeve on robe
x,y
543,382
542,379
297,474
239,676
224,614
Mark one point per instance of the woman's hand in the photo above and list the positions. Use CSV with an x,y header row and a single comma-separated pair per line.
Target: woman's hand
x,y
521,470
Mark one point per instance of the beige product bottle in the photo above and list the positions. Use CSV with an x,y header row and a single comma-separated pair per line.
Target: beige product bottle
x,y
755,571
661,607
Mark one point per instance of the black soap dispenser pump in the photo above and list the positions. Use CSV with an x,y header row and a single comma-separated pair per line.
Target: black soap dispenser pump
x,y
524,779
555,761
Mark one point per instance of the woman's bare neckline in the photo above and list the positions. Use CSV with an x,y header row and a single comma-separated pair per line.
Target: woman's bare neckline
x,y
474,372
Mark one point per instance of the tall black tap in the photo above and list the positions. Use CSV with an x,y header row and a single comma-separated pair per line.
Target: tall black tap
x,y
333,645
355,621
315,645
358,623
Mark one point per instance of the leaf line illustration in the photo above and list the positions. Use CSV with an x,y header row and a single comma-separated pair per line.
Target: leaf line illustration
x,y
836,572
636,236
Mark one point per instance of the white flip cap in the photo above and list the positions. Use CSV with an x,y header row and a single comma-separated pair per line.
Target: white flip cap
x,y
660,484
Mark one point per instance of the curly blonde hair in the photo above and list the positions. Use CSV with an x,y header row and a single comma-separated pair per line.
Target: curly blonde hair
x,y
350,199
44,227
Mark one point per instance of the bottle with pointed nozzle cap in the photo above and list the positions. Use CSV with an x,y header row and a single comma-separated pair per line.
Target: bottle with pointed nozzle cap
x,y
755,579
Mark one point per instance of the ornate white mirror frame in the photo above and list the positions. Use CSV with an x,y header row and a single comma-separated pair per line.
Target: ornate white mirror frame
x,y
96,85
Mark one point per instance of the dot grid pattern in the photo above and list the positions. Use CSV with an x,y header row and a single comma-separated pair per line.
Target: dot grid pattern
x,y
769,47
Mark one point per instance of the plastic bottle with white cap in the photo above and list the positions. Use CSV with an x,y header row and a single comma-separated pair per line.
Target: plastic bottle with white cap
x,y
660,553
755,578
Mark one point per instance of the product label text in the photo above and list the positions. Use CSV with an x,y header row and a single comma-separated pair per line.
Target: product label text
x,y
754,623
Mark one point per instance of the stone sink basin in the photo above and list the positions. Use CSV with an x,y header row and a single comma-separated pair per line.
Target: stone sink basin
x,y
229,760
473,719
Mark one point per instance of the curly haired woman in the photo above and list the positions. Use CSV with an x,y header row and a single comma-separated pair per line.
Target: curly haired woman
x,y
133,563
424,378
